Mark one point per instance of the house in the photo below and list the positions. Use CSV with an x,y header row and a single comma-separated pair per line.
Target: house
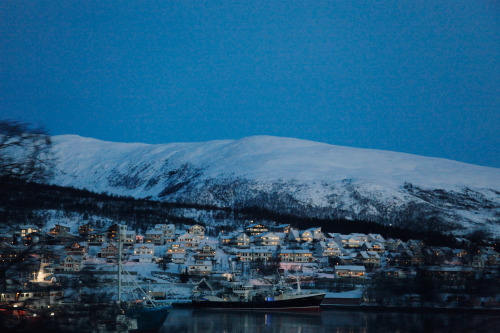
x,y
393,258
269,239
349,241
167,229
85,229
366,246
72,264
293,235
96,238
241,241
254,254
307,236
143,253
256,229
174,248
296,256
316,233
350,271
200,267
361,237
25,230
76,250
376,238
130,238
378,247
58,229
392,244
108,251
206,252
225,240
178,258
345,260
187,240
238,240
282,228
155,237
414,244
375,247
328,248
197,231
115,229
367,258
408,258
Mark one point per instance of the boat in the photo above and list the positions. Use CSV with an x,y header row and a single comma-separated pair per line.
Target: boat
x,y
140,315
239,296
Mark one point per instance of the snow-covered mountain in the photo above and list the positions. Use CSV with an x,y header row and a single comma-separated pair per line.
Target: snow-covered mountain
x,y
290,176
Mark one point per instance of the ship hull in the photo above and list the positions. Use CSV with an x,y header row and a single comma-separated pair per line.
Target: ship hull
x,y
299,303
148,319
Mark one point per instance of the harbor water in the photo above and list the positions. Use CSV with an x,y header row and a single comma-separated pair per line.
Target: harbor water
x,y
339,321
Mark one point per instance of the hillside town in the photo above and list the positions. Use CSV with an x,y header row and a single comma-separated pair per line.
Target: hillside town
x,y
172,258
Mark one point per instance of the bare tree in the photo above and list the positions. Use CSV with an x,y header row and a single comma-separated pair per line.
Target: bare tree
x,y
24,151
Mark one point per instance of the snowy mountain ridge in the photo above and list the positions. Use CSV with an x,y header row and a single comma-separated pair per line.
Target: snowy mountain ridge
x,y
292,176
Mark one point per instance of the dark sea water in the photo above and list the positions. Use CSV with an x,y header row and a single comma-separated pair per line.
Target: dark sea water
x,y
339,321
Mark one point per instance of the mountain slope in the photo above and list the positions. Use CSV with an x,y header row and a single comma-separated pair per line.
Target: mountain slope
x,y
290,176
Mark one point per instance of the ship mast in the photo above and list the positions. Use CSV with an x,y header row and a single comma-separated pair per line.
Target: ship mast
x,y
119,265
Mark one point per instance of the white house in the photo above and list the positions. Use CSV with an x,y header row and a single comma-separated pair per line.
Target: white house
x,y
269,239
25,230
293,235
200,267
167,229
188,240
154,236
296,256
143,252
178,258
316,233
307,236
348,271
254,254
197,231
130,237
328,248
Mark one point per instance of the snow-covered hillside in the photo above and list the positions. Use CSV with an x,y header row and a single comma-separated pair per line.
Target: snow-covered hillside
x,y
290,176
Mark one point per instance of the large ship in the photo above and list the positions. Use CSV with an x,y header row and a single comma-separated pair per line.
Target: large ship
x,y
240,296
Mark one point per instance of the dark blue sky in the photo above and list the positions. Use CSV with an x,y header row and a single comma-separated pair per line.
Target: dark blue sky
x,y
413,76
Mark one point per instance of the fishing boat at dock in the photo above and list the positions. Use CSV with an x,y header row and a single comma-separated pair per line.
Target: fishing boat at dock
x,y
240,296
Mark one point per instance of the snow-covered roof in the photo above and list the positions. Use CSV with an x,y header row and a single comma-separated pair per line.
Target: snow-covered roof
x,y
295,251
350,268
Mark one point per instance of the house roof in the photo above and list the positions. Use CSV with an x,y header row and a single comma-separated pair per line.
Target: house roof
x,y
256,250
354,268
295,251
